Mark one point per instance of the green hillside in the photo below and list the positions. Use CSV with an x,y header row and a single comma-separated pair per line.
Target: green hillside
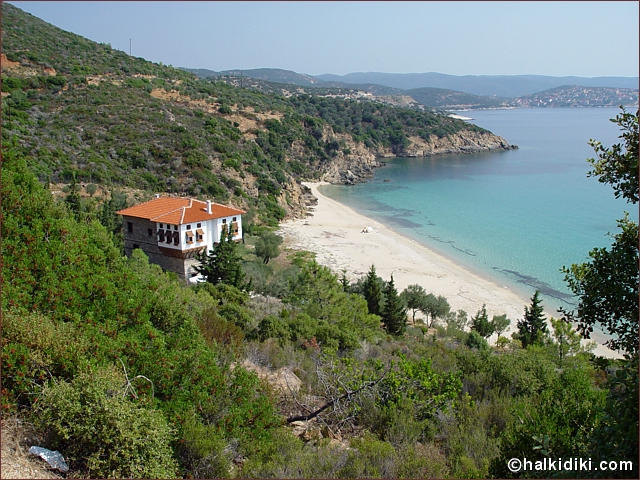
x,y
84,110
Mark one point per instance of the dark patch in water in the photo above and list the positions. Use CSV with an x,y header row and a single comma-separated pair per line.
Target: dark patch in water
x,y
539,285
452,244
379,186
403,222
467,252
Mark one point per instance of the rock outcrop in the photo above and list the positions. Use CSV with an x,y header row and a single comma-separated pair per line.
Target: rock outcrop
x,y
354,164
359,163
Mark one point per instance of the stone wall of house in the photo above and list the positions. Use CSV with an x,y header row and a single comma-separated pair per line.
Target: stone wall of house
x,y
136,235
140,233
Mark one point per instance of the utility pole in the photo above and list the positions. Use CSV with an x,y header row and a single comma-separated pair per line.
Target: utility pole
x,y
129,47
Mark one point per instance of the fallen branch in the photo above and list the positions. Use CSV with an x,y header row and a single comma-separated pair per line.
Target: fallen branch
x,y
128,387
348,394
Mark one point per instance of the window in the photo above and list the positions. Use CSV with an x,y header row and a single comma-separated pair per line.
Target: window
x,y
199,225
224,220
176,238
168,236
199,235
234,219
188,227
188,237
161,225
130,227
161,235
150,232
175,227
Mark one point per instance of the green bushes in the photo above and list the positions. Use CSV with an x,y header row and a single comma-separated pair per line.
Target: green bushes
x,y
102,430
93,307
558,422
477,341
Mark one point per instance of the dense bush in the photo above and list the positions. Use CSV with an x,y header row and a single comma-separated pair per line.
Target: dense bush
x,y
112,309
102,430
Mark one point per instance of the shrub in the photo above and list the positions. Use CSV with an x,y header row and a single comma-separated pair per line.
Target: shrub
x,y
35,347
475,340
204,452
99,428
274,327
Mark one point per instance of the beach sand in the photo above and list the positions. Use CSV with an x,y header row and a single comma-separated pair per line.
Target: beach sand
x,y
334,234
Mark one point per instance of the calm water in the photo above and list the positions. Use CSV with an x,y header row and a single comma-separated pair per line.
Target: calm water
x,y
515,216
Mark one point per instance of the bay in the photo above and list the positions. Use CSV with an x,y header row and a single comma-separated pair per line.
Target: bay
x,y
516,217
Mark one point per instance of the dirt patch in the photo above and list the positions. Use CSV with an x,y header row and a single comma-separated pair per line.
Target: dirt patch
x,y
282,380
269,116
7,64
244,124
263,115
176,96
98,79
16,461
17,68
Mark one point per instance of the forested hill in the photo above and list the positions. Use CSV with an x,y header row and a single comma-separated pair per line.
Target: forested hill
x,y
86,111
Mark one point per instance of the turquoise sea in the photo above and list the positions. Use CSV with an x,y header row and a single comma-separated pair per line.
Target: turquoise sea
x,y
516,217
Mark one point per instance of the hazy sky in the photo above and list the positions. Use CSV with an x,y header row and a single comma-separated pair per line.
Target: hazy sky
x,y
548,38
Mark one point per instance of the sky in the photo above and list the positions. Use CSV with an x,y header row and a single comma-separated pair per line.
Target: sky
x,y
459,38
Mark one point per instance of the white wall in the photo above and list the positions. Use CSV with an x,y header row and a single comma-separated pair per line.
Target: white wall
x,y
212,232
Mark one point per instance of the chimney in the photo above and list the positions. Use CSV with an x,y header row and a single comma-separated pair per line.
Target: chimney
x,y
209,206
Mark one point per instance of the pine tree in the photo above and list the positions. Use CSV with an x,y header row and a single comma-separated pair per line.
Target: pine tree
x,y
480,323
344,281
372,292
73,197
222,264
533,327
394,313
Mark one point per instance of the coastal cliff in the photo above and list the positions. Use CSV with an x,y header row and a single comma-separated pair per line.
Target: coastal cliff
x,y
359,163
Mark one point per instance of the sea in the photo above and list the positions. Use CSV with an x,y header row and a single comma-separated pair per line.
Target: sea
x,y
516,217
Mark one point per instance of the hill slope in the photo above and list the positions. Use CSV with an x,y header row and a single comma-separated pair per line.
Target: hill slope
x,y
83,110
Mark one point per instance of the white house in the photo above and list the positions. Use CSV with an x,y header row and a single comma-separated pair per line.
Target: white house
x,y
173,230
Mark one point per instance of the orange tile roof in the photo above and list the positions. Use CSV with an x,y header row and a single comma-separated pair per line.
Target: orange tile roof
x,y
178,211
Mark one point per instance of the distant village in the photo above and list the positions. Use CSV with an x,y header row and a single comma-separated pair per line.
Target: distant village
x,y
576,96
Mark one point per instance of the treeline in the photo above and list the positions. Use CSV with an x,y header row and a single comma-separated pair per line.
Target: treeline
x,y
378,125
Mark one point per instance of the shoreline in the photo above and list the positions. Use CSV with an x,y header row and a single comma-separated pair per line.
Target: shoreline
x,y
334,233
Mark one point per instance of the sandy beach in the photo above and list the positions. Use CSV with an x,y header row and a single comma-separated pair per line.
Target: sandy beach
x,y
334,234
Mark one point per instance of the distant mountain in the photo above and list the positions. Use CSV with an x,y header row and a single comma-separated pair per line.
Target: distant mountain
x,y
491,85
287,82
578,96
289,77
276,75
444,98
